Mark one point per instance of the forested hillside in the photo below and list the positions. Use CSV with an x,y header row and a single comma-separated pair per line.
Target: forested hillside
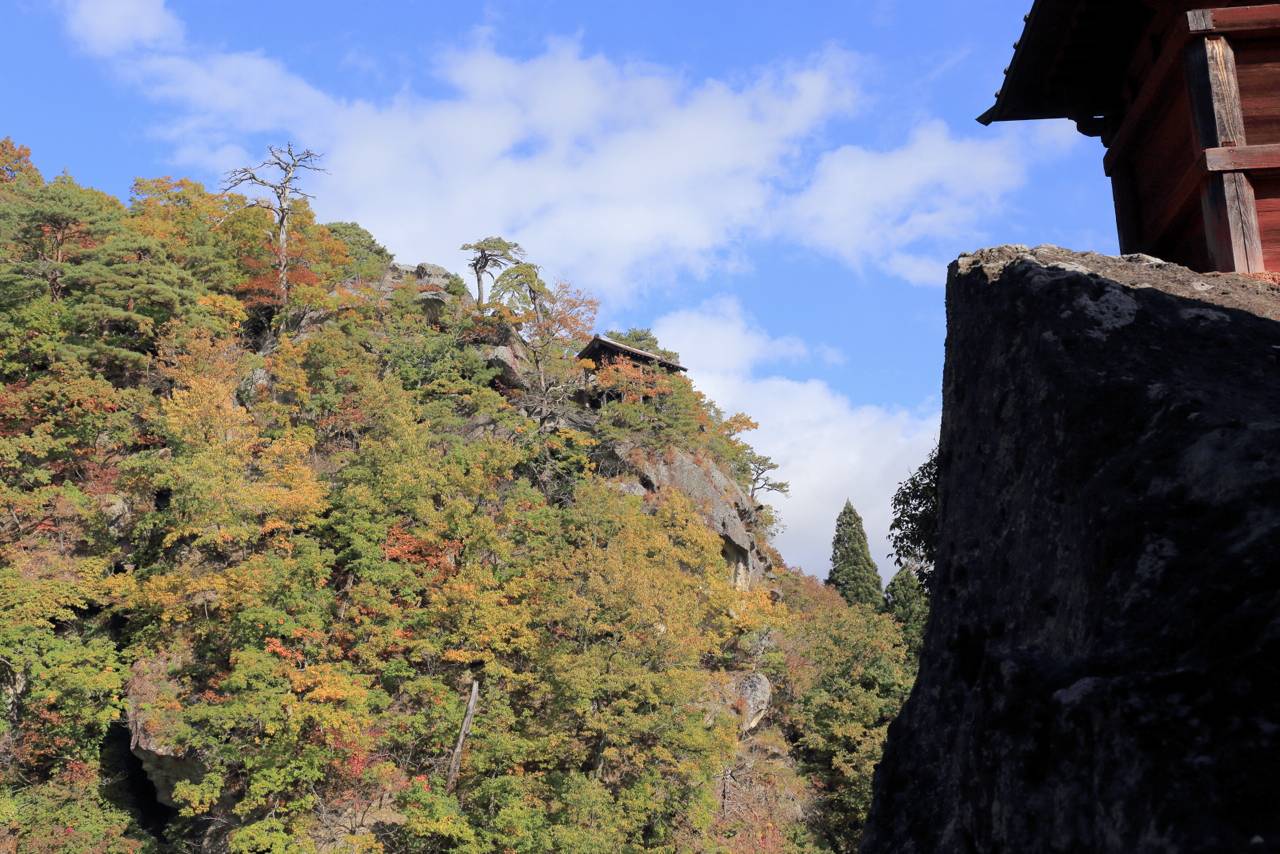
x,y
301,550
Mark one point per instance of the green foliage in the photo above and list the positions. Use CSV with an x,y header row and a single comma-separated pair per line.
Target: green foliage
x,y
844,718
841,673
286,526
853,572
369,258
906,600
68,814
914,529
644,339
490,256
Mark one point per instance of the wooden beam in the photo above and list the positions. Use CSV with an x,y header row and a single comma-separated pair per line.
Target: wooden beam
x,y
1215,93
1239,20
1242,158
1227,199
1239,222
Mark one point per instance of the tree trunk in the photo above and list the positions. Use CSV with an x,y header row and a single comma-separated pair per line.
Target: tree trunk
x,y
455,762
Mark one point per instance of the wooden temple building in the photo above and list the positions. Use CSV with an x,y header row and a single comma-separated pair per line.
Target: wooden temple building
x,y
1186,98
602,349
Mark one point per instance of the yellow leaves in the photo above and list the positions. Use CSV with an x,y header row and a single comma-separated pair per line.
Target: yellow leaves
x,y
40,588
229,483
198,798
223,307
204,413
325,683
289,372
195,590
289,489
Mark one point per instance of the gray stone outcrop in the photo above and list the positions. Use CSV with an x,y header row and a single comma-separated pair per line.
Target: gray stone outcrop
x,y
1099,671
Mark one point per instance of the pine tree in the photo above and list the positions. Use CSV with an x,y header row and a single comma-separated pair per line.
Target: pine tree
x,y
853,572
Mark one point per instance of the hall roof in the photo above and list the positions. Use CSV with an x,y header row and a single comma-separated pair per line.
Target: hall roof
x,y
603,345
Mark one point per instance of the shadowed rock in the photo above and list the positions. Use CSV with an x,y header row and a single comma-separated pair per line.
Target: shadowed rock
x,y
1100,668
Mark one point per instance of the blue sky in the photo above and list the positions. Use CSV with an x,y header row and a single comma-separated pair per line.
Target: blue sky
x,y
775,187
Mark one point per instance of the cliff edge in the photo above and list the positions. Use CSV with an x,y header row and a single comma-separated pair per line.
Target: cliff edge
x,y
1100,669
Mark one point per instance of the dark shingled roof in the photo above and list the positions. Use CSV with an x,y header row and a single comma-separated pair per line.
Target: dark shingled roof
x,y
604,345
1071,60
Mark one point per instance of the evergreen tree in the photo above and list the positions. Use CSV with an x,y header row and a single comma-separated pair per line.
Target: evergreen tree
x,y
369,258
853,572
906,600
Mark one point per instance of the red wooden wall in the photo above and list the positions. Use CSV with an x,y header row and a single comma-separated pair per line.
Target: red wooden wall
x,y
1267,188
1258,67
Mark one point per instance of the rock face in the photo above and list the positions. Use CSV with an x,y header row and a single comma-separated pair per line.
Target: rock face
x,y
1100,671
755,693
724,504
150,691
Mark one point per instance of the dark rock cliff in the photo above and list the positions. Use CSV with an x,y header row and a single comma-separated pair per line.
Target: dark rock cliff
x,y
1102,668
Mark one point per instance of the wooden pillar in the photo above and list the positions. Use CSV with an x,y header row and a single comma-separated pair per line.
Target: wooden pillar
x,y
1128,213
1227,198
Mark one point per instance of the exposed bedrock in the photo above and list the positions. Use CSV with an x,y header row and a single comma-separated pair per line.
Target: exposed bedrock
x,y
1101,672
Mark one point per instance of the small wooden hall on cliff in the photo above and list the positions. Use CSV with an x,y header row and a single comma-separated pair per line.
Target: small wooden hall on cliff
x,y
1186,98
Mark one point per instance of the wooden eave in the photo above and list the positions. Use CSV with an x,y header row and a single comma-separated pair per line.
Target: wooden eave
x,y
1071,60
1073,57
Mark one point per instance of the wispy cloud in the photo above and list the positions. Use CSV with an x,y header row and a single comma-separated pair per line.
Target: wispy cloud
x,y
616,175
111,27
829,448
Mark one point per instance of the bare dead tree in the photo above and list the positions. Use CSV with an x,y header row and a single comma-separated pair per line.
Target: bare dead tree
x,y
455,761
278,175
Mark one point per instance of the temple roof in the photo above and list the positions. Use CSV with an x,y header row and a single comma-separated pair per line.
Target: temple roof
x,y
604,345
1071,60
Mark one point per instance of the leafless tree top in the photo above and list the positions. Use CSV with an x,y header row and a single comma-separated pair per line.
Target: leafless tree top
x,y
286,161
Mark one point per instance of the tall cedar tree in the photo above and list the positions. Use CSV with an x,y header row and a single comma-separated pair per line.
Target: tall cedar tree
x,y
853,572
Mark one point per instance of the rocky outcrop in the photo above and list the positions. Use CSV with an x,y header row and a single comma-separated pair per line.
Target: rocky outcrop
x,y
151,699
754,694
507,354
1100,669
723,503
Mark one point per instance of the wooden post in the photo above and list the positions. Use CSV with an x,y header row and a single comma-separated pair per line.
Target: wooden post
x,y
1128,214
1227,199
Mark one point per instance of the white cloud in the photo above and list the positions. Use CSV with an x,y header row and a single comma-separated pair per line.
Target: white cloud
x,y
828,447
109,27
892,208
617,176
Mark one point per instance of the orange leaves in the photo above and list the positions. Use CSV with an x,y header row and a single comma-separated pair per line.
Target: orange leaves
x,y
439,558
276,647
633,382
15,162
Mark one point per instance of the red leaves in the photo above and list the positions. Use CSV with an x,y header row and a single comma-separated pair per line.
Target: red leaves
x,y
276,647
440,558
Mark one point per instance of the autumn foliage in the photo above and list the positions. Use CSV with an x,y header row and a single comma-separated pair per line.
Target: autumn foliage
x,y
268,539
